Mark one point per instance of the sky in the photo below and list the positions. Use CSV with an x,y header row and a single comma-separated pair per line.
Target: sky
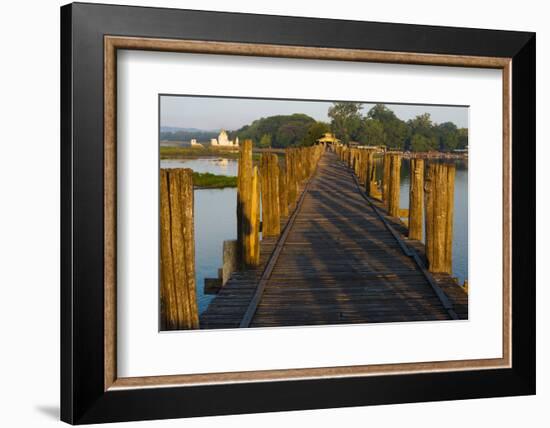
x,y
214,113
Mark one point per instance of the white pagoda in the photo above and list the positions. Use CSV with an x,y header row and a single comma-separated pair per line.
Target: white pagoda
x,y
224,141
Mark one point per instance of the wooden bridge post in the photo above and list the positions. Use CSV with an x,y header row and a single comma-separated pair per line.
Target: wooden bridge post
x,y
290,179
246,206
269,172
386,173
298,167
439,202
372,185
394,184
356,161
244,177
178,298
283,193
253,256
367,167
360,167
301,165
230,259
416,199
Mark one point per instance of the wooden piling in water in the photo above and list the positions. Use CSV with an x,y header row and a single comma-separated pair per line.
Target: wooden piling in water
x,y
386,173
439,203
394,185
178,298
230,259
253,256
416,199
247,182
283,193
290,175
372,185
269,173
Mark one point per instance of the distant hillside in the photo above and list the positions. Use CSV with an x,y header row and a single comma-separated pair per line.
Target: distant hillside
x,y
172,133
176,129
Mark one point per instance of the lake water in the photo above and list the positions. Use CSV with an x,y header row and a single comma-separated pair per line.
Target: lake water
x,y
215,218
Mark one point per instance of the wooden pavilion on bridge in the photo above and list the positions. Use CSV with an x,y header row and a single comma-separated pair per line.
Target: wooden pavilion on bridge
x,y
328,138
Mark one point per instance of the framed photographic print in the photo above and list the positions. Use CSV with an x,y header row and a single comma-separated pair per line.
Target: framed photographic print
x,y
264,213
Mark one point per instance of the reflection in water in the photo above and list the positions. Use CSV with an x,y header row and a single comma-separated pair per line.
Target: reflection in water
x,y
215,217
215,222
220,166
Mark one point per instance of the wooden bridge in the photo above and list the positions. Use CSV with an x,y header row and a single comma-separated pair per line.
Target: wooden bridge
x,y
340,258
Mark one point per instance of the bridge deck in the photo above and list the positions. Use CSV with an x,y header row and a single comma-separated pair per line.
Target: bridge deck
x,y
340,263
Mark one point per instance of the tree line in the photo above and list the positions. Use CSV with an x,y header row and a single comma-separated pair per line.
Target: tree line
x,y
381,127
378,127
185,135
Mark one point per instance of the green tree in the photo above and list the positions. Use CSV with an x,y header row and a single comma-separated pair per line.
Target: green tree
x,y
345,120
448,136
462,138
314,132
395,130
371,132
265,141
421,143
291,134
423,135
285,130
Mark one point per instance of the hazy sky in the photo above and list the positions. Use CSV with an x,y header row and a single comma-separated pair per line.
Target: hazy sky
x,y
213,113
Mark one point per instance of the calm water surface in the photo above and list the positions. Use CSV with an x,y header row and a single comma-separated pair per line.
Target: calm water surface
x,y
215,218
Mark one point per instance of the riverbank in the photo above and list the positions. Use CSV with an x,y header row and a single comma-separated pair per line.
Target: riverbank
x,y
435,155
178,152
174,152
213,181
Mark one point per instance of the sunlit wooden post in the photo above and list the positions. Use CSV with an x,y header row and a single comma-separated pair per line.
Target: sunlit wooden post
x,y
290,175
283,193
373,189
247,181
253,249
177,253
269,172
416,199
300,165
386,173
296,170
439,202
367,166
394,185
230,259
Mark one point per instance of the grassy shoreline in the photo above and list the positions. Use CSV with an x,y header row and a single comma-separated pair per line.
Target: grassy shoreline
x,y
192,153
207,180
174,152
